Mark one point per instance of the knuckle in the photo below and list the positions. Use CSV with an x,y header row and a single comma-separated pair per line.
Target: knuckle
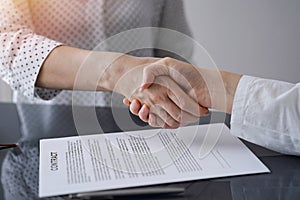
x,y
166,60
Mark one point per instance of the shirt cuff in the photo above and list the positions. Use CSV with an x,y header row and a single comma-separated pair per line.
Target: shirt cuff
x,y
239,105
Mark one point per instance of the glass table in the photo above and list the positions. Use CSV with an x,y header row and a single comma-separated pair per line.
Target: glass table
x,y
30,123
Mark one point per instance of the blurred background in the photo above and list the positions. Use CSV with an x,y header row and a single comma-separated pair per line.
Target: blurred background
x,y
257,37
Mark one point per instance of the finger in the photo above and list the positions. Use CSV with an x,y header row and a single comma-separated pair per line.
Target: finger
x,y
168,127
154,121
144,113
187,118
173,110
152,71
184,101
135,107
164,116
126,102
177,114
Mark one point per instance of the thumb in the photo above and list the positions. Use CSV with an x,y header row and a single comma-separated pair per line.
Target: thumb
x,y
151,72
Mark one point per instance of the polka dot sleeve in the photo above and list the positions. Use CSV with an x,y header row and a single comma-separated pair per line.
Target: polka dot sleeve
x,y
22,52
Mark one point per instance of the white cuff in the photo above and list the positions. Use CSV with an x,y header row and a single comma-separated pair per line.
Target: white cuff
x,y
239,105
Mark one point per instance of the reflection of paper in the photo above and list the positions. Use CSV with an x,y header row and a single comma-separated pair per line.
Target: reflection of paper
x,y
102,162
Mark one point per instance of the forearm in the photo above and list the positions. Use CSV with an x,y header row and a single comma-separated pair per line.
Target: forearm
x,y
100,70
60,68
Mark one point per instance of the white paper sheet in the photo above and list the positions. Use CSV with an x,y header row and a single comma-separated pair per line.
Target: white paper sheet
x,y
121,160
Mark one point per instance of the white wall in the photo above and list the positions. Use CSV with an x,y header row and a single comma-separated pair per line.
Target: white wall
x,y
257,37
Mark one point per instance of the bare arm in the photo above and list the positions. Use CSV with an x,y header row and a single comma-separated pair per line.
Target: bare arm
x,y
62,66
70,68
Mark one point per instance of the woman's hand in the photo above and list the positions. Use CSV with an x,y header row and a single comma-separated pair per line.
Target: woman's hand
x,y
211,89
185,75
169,105
75,69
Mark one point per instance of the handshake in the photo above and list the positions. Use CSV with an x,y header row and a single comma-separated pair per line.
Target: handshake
x,y
169,93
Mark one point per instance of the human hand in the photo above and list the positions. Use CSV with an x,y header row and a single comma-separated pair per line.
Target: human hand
x,y
188,77
169,105
211,89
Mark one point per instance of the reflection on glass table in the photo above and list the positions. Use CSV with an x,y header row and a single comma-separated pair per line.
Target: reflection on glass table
x,y
20,168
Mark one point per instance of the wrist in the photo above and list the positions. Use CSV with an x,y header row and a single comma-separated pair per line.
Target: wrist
x,y
122,68
231,81
221,86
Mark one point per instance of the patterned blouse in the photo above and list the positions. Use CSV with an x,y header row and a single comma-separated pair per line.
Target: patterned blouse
x,y
31,29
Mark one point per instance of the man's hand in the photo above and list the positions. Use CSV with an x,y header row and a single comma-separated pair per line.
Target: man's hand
x,y
188,77
168,104
211,89
185,75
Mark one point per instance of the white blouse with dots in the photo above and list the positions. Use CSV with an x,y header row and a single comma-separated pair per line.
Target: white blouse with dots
x,y
31,29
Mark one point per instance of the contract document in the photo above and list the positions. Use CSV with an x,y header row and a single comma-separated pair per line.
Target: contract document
x,y
142,158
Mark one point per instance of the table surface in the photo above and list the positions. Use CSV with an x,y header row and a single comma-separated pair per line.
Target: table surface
x,y
30,123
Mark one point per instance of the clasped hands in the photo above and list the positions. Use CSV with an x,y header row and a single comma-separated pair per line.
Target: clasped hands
x,y
174,93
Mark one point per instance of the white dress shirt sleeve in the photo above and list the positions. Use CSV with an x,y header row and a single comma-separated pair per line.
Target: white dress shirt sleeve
x,y
22,51
267,112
